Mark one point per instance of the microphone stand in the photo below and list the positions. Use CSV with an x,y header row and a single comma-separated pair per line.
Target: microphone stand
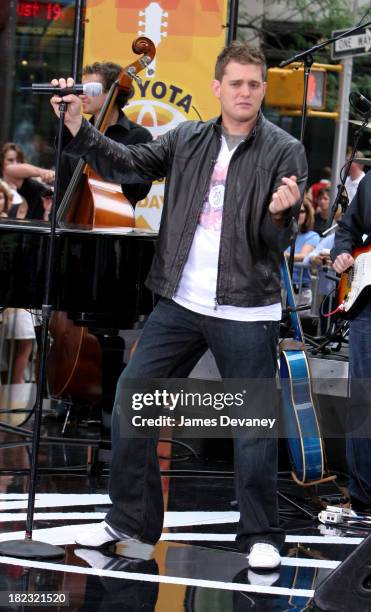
x,y
340,198
308,61
299,57
28,548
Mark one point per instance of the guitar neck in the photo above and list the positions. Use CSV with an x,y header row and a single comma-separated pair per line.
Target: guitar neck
x,y
295,319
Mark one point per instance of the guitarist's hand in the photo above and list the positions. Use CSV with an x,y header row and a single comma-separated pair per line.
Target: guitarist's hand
x,y
343,262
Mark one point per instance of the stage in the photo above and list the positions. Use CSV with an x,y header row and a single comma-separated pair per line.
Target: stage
x,y
196,565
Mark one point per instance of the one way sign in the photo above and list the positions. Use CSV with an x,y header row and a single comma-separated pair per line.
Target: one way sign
x,y
358,43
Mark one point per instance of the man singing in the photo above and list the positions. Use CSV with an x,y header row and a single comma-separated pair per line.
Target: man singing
x,y
232,186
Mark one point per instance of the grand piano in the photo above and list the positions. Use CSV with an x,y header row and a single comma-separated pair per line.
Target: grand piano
x,y
98,276
98,280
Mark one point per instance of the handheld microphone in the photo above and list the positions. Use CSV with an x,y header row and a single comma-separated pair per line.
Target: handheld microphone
x,y
360,103
86,89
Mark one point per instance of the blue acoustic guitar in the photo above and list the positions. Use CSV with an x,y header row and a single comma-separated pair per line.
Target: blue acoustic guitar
x,y
298,406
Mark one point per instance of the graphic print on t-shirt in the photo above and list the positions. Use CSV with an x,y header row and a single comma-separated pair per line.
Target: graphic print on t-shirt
x,y
212,210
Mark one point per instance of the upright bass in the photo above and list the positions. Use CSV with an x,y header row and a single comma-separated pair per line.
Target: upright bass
x,y
88,199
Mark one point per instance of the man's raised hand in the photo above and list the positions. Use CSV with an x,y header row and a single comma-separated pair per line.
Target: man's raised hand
x,y
73,116
284,197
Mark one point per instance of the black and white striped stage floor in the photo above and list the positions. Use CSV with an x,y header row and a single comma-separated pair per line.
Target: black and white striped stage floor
x,y
194,568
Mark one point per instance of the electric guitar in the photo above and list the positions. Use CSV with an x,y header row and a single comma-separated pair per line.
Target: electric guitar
x,y
355,283
298,404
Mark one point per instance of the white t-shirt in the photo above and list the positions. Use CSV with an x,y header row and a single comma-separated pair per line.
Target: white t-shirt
x,y
17,198
352,186
197,287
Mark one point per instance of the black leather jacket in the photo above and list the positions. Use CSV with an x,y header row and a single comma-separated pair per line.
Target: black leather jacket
x,y
251,243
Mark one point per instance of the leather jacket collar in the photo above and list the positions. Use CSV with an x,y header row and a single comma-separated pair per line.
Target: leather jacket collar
x,y
217,125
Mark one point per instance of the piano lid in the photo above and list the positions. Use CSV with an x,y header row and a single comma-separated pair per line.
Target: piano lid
x,y
97,272
43,227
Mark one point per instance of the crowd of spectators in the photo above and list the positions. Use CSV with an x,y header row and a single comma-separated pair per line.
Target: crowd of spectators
x,y
30,186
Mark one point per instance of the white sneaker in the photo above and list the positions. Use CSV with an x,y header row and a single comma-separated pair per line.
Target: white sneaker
x,y
266,579
99,535
263,556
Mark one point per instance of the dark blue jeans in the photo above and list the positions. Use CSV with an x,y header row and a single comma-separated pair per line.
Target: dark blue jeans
x,y
172,341
359,449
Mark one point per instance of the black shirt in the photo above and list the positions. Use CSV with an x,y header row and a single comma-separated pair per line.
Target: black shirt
x,y
319,224
31,191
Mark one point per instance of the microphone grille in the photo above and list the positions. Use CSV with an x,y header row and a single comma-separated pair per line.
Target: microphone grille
x,y
360,103
93,89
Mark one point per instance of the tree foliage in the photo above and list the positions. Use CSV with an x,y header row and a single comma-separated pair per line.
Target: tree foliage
x,y
324,15
302,24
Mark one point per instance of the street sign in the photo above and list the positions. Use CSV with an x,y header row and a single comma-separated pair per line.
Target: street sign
x,y
358,43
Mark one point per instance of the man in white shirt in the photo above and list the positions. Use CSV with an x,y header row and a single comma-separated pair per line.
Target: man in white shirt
x,y
355,176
